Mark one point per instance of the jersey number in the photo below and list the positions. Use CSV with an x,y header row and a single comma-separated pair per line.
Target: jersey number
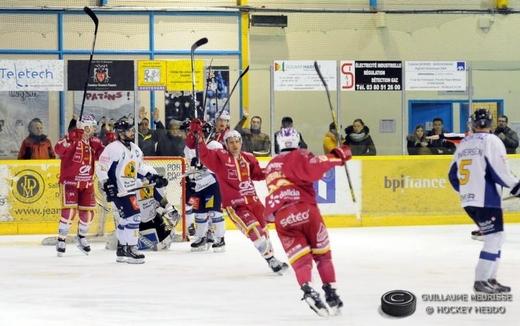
x,y
464,171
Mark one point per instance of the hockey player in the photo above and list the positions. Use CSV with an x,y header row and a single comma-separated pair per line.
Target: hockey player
x,y
478,172
205,201
158,216
119,170
78,151
291,204
235,172
221,127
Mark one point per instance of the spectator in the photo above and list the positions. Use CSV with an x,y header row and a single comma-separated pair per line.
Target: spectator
x,y
417,143
507,135
357,136
254,140
36,146
171,142
330,141
147,138
287,122
438,143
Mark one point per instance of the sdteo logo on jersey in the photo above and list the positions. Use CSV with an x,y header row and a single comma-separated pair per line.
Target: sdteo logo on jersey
x,y
406,181
295,218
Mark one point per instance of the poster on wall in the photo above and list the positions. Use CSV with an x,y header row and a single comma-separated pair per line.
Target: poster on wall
x,y
16,110
178,104
106,106
31,75
301,75
179,77
104,75
371,75
151,75
435,75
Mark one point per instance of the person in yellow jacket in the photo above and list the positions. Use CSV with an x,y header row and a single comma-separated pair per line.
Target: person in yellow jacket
x,y
330,140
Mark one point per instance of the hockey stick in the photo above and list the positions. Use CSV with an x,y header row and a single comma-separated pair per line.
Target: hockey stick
x,y
195,45
336,125
94,18
219,113
206,91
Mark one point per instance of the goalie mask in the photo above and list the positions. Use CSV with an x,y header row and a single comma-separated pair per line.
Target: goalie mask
x,y
481,118
288,138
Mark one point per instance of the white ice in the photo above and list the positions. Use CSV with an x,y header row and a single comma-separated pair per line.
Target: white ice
x,y
177,287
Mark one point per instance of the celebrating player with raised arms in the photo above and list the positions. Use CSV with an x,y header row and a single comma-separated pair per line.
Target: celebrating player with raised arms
x,y
78,151
478,172
291,204
235,171
120,171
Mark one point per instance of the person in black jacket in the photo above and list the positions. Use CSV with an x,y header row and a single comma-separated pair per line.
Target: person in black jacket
x,y
438,143
417,143
172,141
507,135
357,136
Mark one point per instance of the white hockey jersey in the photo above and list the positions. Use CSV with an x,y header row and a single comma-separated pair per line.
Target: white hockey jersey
x,y
479,170
149,200
122,166
205,177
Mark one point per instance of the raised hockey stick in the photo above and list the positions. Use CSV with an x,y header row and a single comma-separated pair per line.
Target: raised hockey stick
x,y
335,121
94,18
206,91
219,113
194,47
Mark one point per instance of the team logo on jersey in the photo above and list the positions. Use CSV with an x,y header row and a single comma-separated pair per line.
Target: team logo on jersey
x,y
146,193
28,186
130,170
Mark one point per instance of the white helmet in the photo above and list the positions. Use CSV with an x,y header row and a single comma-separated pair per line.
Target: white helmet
x,y
88,120
232,134
288,138
225,116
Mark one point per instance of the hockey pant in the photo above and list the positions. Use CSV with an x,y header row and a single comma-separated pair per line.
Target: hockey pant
x,y
249,219
304,238
76,200
128,217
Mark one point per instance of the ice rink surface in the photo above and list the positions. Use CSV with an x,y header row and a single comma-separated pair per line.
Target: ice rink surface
x,y
177,287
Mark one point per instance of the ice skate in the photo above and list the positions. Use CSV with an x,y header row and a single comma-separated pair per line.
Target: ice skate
x,y
499,287
210,237
120,253
277,266
333,300
484,287
83,245
477,235
314,301
200,244
219,245
60,247
133,256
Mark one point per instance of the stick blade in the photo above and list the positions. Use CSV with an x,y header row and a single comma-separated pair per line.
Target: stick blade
x,y
199,43
318,71
92,15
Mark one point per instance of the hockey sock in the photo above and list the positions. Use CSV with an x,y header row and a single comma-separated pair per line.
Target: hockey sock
x,y
487,263
85,218
264,247
131,231
201,219
495,267
325,267
303,269
67,215
217,220
190,216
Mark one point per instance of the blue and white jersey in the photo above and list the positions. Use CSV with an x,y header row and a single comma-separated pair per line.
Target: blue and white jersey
x,y
122,167
479,170
204,177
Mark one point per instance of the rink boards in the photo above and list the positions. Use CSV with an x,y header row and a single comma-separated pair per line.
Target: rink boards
x,y
390,190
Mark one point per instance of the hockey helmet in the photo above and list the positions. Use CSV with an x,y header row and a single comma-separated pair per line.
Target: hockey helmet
x,y
225,116
88,120
288,138
122,125
232,134
481,118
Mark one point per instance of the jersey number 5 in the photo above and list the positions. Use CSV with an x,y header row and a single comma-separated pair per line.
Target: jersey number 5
x,y
464,171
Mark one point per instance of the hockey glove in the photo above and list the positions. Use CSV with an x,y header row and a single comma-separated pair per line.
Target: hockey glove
x,y
515,191
160,181
110,190
195,126
343,152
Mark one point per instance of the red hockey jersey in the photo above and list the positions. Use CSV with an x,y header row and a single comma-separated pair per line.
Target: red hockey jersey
x,y
290,177
77,160
235,176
